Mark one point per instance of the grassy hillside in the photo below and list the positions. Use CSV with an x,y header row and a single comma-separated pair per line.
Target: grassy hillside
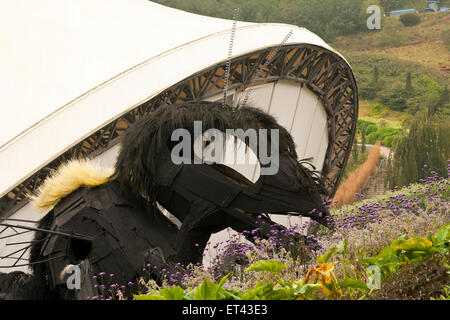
x,y
426,44
395,51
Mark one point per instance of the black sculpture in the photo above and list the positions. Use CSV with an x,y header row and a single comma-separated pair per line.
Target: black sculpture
x,y
116,225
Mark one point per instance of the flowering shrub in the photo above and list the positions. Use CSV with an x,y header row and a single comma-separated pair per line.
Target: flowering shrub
x,y
374,248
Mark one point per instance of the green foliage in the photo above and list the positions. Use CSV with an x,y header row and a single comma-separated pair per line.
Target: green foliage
x,y
172,293
394,97
445,296
325,257
266,265
386,135
441,239
410,20
378,110
422,280
207,290
427,85
407,251
321,282
408,85
392,34
354,153
427,143
390,5
327,18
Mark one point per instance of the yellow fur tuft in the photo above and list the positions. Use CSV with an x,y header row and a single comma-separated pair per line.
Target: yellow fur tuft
x,y
67,178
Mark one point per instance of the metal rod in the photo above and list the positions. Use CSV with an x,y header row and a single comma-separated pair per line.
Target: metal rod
x,y
63,234
15,234
32,263
32,241
21,255
14,258
16,252
19,220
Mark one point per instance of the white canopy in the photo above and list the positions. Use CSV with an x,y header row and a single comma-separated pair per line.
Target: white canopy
x,y
69,67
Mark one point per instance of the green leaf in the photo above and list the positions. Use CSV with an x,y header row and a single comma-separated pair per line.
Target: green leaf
x,y
222,280
414,244
207,290
353,283
172,293
231,294
324,258
148,297
281,293
306,290
190,295
341,247
266,265
258,291
441,238
369,260
386,256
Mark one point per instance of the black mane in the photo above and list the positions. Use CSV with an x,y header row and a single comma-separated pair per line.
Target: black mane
x,y
137,159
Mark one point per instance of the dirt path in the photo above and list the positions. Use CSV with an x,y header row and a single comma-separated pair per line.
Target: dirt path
x,y
384,151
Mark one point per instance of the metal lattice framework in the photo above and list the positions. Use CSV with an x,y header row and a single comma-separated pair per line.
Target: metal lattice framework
x,y
321,70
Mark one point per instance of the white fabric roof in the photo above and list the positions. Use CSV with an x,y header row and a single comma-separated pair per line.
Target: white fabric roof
x,y
68,67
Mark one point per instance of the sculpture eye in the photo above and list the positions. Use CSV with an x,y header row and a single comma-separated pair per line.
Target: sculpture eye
x,y
230,155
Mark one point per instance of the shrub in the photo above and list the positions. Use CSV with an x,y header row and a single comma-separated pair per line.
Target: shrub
x,y
365,123
394,97
389,141
386,135
378,110
410,20
422,280
371,128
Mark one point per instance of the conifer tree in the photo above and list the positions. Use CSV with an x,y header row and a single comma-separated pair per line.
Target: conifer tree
x,y
408,87
355,149
363,138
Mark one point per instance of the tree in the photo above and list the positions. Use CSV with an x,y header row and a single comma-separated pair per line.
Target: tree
x,y
375,75
441,103
409,20
389,5
444,99
363,138
375,86
426,143
408,86
355,149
